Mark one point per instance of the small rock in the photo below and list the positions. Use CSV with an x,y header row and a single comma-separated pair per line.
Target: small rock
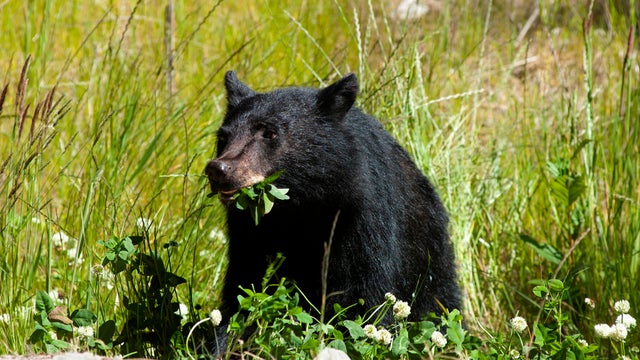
x,y
332,354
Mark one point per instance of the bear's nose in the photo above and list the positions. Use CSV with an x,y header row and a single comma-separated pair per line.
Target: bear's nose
x,y
217,169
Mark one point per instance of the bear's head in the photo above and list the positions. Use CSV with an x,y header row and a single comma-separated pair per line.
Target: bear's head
x,y
296,130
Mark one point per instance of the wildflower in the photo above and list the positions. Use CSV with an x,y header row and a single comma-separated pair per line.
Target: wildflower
x,y
36,220
5,318
216,317
390,298
401,310
55,296
622,306
590,303
370,331
519,324
602,330
97,269
217,234
583,342
384,336
60,239
74,256
515,354
618,332
183,311
84,331
438,339
143,223
627,320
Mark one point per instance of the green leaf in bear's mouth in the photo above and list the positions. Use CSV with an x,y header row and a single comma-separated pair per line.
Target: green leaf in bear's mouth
x,y
260,198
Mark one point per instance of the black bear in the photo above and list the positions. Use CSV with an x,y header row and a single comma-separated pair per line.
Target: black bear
x,y
391,231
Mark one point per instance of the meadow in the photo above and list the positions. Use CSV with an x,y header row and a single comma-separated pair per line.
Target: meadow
x,y
524,116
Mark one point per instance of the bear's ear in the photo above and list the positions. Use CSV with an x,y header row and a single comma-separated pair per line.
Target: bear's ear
x,y
337,98
236,89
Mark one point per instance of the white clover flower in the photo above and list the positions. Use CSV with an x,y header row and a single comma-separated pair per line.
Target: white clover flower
x,y
515,354
60,239
438,339
55,296
205,253
627,320
97,270
401,310
603,330
217,234
384,336
622,306
519,324
72,253
5,318
583,342
183,311
390,298
590,303
74,256
216,317
370,331
84,331
143,223
618,332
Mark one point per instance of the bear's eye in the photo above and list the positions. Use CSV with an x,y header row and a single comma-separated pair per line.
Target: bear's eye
x,y
269,134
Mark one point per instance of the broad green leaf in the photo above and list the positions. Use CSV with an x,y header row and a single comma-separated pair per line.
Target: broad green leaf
x,y
455,333
355,330
304,318
556,285
64,327
268,204
546,251
279,193
83,317
128,245
174,280
539,290
60,344
338,344
136,239
400,343
106,331
44,302
37,335
272,177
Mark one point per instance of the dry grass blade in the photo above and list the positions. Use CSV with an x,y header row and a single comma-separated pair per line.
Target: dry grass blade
x,y
3,96
22,85
23,117
36,114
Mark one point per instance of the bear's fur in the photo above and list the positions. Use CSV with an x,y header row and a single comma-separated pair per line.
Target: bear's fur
x,y
391,232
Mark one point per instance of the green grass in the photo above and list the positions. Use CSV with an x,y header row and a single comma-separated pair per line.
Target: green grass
x,y
538,165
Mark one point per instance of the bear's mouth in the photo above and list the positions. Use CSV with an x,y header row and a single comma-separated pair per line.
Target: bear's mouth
x,y
226,196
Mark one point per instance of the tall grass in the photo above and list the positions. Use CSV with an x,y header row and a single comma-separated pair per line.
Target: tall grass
x,y
536,159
